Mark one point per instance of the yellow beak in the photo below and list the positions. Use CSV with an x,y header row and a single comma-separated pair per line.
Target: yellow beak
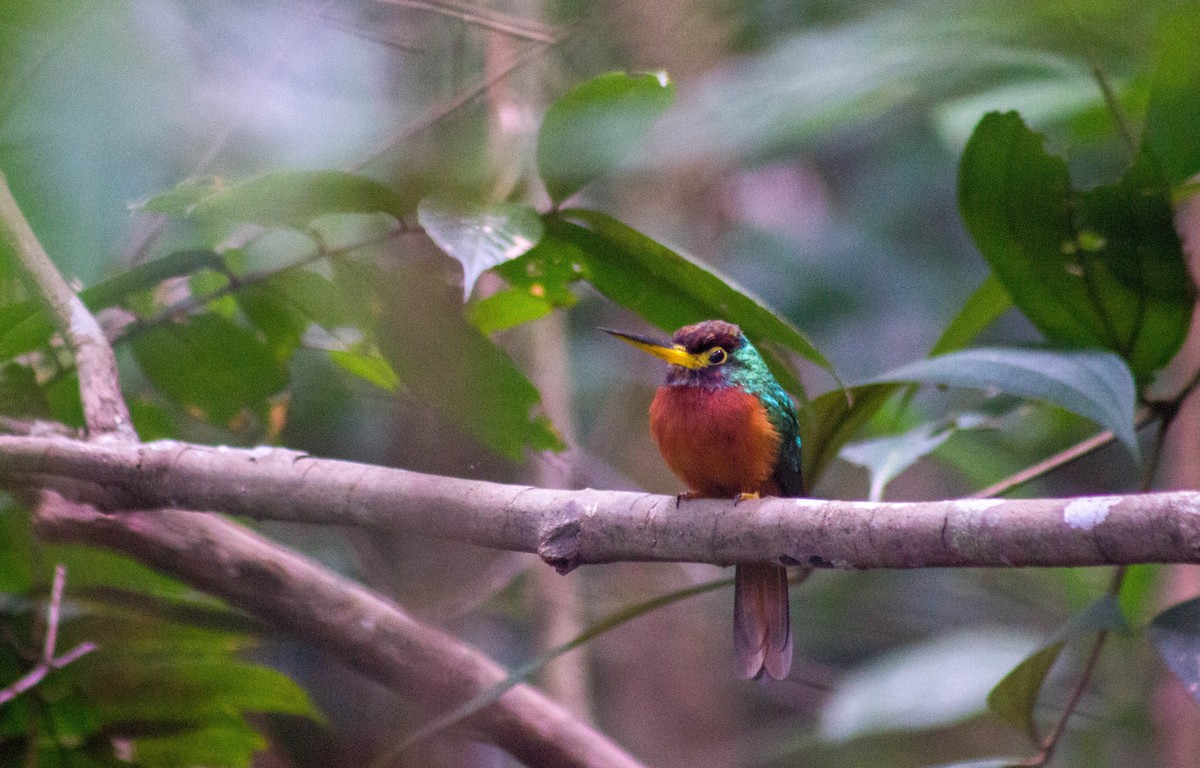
x,y
675,354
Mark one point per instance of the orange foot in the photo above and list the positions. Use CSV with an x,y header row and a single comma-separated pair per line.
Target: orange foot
x,y
744,497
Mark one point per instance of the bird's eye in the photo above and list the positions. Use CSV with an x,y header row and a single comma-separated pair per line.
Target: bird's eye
x,y
717,356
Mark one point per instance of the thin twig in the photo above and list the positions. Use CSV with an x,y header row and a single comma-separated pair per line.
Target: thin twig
x,y
193,302
48,660
1051,742
1061,459
455,103
483,17
104,409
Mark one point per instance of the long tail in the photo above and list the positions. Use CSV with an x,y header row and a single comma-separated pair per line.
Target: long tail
x,y
762,630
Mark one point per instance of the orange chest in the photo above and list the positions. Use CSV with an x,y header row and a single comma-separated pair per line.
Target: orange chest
x,y
720,443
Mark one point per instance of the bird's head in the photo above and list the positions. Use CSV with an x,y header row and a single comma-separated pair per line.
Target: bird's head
x,y
710,354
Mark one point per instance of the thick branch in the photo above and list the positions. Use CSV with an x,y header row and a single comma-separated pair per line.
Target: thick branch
x,y
569,528
103,406
363,629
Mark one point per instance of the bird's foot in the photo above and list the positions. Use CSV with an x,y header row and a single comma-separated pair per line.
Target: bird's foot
x,y
744,497
682,497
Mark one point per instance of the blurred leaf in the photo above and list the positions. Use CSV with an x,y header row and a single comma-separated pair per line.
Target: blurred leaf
x,y
283,198
830,421
284,306
480,236
887,457
989,762
669,290
1015,697
939,682
1174,109
226,744
370,367
595,125
1102,268
527,670
172,687
982,308
1096,385
20,394
25,327
507,309
211,366
446,362
1176,636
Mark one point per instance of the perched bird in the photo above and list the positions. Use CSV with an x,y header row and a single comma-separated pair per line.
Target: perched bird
x,y
727,428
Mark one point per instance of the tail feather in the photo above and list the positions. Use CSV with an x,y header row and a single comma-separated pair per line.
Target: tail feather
x,y
762,630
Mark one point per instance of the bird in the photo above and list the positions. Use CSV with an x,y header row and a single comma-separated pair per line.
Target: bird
x,y
727,428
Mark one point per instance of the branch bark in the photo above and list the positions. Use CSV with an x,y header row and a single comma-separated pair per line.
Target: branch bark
x,y
571,528
362,628
104,408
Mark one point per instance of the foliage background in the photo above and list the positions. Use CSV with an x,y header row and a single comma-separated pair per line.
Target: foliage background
x,y
811,156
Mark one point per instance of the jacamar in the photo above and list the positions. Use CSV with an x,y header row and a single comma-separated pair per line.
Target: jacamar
x,y
727,428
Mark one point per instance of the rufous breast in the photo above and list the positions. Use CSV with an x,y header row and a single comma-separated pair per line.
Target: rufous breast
x,y
720,441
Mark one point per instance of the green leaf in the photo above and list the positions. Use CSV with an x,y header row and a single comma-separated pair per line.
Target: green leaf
x,y
833,419
1176,636
982,308
284,306
591,128
210,366
894,692
668,289
1015,697
227,744
1102,268
28,327
1174,109
446,362
20,394
507,309
283,198
370,367
887,457
480,236
1095,385
527,670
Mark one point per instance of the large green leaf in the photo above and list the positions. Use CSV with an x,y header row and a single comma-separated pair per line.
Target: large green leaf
x,y
664,287
480,236
1015,697
283,198
593,126
1102,268
1176,636
439,357
1096,385
211,366
1174,109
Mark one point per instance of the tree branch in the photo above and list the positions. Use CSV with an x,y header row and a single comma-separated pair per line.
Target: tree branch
x,y
362,628
104,408
571,528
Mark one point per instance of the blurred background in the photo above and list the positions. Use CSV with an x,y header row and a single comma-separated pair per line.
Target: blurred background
x,y
811,157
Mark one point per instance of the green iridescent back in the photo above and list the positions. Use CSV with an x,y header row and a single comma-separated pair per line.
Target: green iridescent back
x,y
752,375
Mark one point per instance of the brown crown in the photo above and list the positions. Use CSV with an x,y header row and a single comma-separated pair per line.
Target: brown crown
x,y
710,333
